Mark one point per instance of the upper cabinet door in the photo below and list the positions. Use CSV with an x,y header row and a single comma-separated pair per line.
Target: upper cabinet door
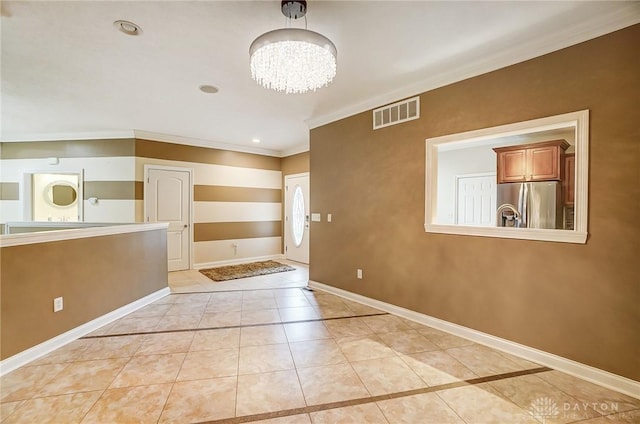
x,y
512,166
544,163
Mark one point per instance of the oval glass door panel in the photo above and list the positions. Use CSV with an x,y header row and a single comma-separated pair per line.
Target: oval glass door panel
x,y
297,216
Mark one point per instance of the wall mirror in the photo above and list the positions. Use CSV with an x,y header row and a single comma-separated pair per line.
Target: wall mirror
x,y
54,196
527,180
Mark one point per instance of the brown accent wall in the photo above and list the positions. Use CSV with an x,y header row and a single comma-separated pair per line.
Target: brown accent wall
x,y
94,275
68,149
114,190
294,164
577,301
209,231
9,191
209,193
181,152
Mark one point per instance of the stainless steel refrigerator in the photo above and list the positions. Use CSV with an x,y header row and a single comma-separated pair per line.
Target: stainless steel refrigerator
x,y
529,205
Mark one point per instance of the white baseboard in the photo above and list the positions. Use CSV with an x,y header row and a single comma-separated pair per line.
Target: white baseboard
x,y
576,369
57,342
237,261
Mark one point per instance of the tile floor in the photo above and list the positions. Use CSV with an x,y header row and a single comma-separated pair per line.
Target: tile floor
x,y
265,350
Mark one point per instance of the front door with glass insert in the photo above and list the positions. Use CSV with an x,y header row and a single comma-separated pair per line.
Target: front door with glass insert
x,y
296,231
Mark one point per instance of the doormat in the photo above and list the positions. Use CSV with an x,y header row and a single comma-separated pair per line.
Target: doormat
x,y
233,272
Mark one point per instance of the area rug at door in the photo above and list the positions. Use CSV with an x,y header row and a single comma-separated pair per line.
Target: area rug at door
x,y
233,272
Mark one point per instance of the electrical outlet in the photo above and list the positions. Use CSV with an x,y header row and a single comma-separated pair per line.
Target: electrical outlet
x,y
359,273
329,217
58,304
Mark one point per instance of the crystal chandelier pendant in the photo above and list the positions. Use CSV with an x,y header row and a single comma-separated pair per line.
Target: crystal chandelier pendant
x,y
293,60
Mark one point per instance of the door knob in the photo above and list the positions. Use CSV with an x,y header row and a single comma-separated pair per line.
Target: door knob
x,y
185,225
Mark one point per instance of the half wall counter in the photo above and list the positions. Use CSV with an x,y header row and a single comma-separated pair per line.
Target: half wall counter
x,y
101,273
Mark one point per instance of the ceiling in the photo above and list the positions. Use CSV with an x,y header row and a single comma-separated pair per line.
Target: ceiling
x,y
67,73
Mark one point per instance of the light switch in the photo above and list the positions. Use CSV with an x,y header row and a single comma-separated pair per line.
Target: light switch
x,y
328,217
316,217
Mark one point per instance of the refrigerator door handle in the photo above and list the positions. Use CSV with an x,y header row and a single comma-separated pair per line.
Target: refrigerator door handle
x,y
523,199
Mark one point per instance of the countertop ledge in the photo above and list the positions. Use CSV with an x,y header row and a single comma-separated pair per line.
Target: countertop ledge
x,y
10,240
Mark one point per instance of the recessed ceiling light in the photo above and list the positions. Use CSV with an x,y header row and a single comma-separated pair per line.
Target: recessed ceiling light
x,y
209,89
255,140
127,27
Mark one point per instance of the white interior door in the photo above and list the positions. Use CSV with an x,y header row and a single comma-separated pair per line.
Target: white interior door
x,y
476,199
168,199
296,221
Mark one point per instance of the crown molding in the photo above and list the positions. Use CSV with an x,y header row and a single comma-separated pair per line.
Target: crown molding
x,y
65,136
298,148
535,47
188,141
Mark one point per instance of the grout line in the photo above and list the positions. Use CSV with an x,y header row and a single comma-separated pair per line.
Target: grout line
x,y
237,290
373,399
183,330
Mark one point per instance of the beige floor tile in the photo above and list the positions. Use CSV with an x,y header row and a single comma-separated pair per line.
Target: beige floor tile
x,y
257,294
331,383
482,360
603,400
155,344
104,330
348,327
626,417
267,392
385,324
266,358
289,292
257,304
424,408
66,409
407,342
387,375
134,325
67,353
292,419
225,297
262,316
481,404
441,339
360,348
187,309
151,311
301,331
262,335
178,322
216,339
194,298
209,364
366,413
202,400
84,376
298,314
128,405
216,306
220,319
438,367
7,408
543,400
150,369
110,347
26,382
315,353
292,301
328,311
360,309
522,363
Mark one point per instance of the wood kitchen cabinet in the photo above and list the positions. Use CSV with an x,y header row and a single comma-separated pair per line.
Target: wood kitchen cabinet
x,y
531,162
569,180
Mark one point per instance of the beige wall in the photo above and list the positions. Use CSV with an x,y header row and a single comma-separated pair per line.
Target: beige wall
x,y
576,301
94,275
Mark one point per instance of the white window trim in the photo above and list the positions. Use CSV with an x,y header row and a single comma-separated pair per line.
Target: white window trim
x,y
579,120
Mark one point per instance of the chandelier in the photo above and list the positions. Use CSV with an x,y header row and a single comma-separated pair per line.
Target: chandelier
x,y
293,60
